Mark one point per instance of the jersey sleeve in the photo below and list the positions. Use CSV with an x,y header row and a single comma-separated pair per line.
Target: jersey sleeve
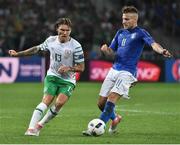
x,y
114,42
78,55
44,46
147,37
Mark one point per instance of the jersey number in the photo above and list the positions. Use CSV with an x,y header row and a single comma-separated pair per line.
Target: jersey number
x,y
123,42
57,57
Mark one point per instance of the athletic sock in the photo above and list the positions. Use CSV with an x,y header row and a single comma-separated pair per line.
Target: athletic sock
x,y
113,116
51,113
37,114
108,111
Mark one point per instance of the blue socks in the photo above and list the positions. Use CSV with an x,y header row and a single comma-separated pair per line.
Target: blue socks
x,y
108,112
113,115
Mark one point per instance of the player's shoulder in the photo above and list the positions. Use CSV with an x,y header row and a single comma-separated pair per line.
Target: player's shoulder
x,y
51,38
140,29
75,43
121,30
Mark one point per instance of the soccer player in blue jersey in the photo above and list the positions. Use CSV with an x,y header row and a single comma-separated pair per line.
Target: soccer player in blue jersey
x,y
127,47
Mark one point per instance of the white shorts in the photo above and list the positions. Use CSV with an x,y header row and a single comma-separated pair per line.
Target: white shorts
x,y
118,82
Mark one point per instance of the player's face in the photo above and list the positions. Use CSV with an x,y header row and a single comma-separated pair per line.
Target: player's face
x,y
64,32
129,20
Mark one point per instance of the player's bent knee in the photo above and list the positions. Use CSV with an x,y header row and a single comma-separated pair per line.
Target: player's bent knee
x,y
47,99
113,97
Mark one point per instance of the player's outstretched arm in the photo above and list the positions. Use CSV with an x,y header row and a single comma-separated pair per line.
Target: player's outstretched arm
x,y
27,52
159,49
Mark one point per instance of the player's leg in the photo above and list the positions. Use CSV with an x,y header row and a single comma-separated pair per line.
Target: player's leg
x,y
116,118
54,110
109,107
122,85
64,92
101,104
37,114
106,87
50,89
108,110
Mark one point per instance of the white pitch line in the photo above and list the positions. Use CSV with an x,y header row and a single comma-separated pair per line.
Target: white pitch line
x,y
149,112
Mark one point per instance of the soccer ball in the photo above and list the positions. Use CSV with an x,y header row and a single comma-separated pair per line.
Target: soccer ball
x,y
96,127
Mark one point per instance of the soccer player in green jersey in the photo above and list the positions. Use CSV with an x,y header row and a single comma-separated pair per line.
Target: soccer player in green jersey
x,y
66,58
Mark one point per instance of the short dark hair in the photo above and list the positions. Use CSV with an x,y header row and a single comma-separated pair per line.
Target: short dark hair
x,y
129,9
63,21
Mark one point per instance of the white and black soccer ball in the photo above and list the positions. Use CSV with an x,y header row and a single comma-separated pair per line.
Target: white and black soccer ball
x,y
96,127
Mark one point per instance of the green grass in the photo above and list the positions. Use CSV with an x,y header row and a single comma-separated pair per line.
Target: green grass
x,y
152,115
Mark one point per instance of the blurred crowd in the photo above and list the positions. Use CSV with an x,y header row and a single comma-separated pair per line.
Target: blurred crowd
x,y
25,23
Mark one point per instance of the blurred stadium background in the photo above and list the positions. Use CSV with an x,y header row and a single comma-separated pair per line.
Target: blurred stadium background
x,y
25,23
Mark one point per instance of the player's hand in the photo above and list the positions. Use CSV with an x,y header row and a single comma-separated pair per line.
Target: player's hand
x,y
166,53
104,48
12,53
64,69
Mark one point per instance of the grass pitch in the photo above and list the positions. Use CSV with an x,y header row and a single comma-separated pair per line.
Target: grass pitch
x,y
152,115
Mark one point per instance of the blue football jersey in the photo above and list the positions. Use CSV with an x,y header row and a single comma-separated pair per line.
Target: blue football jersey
x,y
128,45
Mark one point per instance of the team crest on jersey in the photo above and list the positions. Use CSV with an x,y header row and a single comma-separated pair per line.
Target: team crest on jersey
x,y
133,35
67,53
